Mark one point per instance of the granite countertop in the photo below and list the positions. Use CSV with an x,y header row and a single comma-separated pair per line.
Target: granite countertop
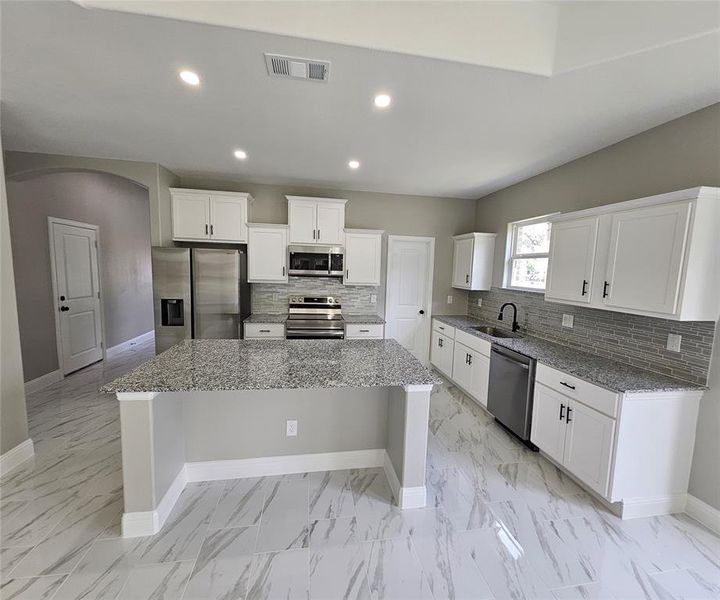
x,y
604,372
266,318
218,365
364,319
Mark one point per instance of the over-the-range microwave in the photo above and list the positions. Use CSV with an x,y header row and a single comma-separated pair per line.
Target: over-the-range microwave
x,y
315,261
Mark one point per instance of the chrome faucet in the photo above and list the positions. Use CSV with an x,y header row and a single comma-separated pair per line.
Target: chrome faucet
x,y
515,324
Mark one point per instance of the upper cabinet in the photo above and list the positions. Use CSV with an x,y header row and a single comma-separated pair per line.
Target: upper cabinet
x,y
654,256
473,261
267,253
316,220
363,256
208,216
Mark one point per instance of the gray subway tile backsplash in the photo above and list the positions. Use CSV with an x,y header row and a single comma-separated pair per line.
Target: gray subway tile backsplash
x,y
272,298
637,340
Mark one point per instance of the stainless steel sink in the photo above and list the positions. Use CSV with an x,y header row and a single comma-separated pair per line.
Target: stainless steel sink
x,y
494,332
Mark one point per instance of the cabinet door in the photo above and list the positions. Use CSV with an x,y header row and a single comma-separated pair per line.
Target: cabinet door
x,y
190,217
267,254
228,219
330,223
572,258
479,377
302,221
588,446
462,263
362,259
548,421
647,248
461,368
441,353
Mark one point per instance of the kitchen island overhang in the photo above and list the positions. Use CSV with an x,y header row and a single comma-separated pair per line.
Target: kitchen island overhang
x,y
216,409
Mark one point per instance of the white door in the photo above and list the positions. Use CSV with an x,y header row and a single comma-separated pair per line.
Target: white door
x,y
441,353
330,223
267,254
462,263
77,299
228,219
548,421
647,248
588,446
409,292
190,216
480,377
362,258
572,258
461,367
303,222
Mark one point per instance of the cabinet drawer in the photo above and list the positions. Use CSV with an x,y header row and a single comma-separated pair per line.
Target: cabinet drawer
x,y
443,329
264,330
473,342
359,331
591,395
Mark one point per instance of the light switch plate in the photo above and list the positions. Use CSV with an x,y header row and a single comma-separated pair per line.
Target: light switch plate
x,y
479,301
276,296
291,428
568,321
373,298
450,299
673,343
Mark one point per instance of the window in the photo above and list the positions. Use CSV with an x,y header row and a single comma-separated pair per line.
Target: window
x,y
528,248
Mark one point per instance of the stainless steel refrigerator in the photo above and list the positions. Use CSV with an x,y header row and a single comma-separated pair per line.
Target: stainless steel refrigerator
x,y
198,293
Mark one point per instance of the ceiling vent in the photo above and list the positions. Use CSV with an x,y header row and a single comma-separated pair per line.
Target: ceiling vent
x,y
297,68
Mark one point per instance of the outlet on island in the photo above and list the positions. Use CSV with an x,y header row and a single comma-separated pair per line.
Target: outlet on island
x,y
291,428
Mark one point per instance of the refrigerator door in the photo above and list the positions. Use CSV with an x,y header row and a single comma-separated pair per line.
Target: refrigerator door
x,y
216,294
171,296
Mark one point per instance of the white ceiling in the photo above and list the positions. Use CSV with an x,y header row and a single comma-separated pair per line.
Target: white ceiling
x,y
104,83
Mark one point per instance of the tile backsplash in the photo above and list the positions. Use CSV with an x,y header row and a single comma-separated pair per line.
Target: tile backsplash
x,y
272,298
636,340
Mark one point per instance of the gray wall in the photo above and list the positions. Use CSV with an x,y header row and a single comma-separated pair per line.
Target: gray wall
x,y
121,209
681,154
13,416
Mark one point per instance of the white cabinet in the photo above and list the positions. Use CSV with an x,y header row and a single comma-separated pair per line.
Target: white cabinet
x,y
364,331
363,257
264,331
267,253
473,261
471,371
572,259
653,256
647,248
209,216
548,422
316,220
441,353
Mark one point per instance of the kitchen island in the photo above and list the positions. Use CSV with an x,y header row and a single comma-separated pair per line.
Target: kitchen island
x,y
224,409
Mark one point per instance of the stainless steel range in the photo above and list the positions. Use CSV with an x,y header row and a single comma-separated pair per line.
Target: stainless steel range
x,y
315,317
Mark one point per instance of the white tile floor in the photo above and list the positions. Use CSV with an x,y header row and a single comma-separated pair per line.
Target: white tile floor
x,y
501,522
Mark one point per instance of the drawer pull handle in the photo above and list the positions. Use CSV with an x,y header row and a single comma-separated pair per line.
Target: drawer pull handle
x,y
264,330
567,385
567,419
364,331
562,412
440,342
606,285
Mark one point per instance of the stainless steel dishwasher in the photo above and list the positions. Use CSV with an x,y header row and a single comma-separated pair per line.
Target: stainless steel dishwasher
x,y
510,392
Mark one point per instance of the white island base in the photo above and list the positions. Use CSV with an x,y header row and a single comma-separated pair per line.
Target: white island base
x,y
172,438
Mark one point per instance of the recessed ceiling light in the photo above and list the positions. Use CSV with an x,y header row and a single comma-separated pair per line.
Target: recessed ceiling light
x,y
190,77
354,164
382,100
240,154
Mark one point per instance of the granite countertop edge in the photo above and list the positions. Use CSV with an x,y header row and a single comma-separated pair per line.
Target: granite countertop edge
x,y
266,318
358,319
598,370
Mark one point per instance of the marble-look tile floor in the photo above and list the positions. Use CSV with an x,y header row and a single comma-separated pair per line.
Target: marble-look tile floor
x,y
501,522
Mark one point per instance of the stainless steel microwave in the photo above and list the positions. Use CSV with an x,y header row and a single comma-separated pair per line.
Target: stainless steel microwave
x,y
316,261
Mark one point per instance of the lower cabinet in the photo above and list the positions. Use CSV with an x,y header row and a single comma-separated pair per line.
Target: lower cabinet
x,y
360,331
471,371
264,331
441,353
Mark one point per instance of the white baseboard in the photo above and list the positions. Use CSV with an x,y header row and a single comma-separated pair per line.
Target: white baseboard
x,y
43,381
213,470
144,337
651,507
703,512
150,522
406,497
16,456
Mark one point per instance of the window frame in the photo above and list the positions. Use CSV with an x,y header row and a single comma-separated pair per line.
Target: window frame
x,y
510,256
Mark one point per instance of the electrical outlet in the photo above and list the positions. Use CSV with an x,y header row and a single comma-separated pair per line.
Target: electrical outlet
x,y
673,343
276,297
449,300
373,298
479,301
568,321
291,428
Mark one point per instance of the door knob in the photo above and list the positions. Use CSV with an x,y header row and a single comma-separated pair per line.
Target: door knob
x,y
422,312
64,308
62,298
